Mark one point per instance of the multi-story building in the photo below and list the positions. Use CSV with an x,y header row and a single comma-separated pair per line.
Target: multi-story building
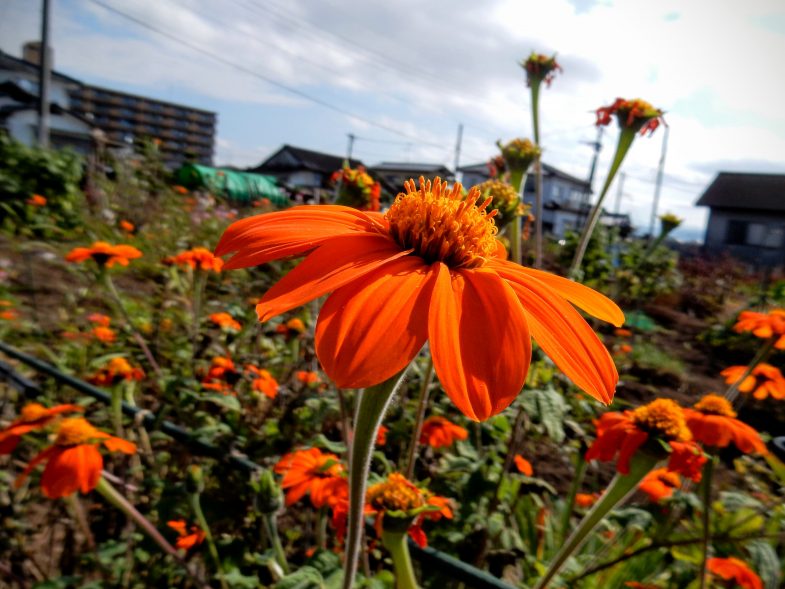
x,y
184,133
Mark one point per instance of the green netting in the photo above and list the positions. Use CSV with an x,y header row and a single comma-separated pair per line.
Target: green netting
x,y
242,187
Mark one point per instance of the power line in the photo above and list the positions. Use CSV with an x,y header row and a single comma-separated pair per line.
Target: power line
x,y
262,77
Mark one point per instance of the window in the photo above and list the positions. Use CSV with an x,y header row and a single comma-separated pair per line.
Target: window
x,y
755,234
736,233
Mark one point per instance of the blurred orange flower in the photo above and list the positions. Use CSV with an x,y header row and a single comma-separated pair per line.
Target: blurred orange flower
x,y
586,499
622,333
225,321
186,539
180,189
523,465
104,254
763,325
263,381
99,319
116,370
660,484
73,461
311,471
625,349
221,376
713,423
127,226
291,328
104,334
733,569
448,285
381,435
37,200
198,257
306,377
439,432
33,416
763,381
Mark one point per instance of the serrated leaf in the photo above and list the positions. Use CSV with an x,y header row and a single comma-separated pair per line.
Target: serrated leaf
x,y
766,562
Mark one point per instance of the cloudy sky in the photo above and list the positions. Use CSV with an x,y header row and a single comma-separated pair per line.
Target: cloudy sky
x,y
402,75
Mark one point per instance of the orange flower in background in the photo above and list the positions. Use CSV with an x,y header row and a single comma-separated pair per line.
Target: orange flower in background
x,y
198,257
427,270
713,423
439,432
636,114
33,416
763,381
624,433
660,484
99,319
310,471
116,370
104,254
225,321
625,349
733,569
636,585
622,333
763,325
381,435
291,328
104,334
127,226
186,539
586,499
523,465
263,381
222,375
357,189
9,315
73,462
37,200
307,378
180,189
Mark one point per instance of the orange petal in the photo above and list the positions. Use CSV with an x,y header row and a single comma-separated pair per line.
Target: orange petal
x,y
71,469
566,337
579,295
293,232
336,263
371,329
479,340
114,444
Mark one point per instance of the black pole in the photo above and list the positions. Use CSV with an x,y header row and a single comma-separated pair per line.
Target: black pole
x,y
44,77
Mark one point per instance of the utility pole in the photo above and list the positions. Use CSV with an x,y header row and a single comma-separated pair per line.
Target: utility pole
x,y
349,148
619,192
44,78
597,145
658,185
458,149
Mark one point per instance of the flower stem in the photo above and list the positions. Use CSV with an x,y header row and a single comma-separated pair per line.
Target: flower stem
x,y
626,138
271,527
196,505
763,353
618,490
535,87
580,470
199,283
395,543
371,406
708,471
116,407
518,180
422,403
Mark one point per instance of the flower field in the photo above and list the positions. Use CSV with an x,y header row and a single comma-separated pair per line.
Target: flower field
x,y
415,391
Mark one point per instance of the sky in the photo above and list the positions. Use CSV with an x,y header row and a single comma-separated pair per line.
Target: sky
x,y
401,76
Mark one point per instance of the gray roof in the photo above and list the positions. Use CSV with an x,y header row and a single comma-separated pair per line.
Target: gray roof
x,y
14,64
548,170
734,190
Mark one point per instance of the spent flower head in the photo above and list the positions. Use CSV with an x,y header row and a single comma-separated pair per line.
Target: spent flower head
x,y
635,114
540,68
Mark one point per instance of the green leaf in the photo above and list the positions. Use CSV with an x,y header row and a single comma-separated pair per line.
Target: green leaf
x,y
306,577
766,562
321,441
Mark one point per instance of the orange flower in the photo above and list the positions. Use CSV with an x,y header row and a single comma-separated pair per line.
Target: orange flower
x,y
37,200
523,465
33,416
104,254
311,471
221,376
127,226
306,377
662,420
636,585
225,321
764,380
713,423
439,432
9,315
116,370
186,540
763,325
357,189
381,435
99,319
659,484
586,499
104,334
636,113
73,462
428,269
197,257
625,349
180,189
733,569
291,328
622,333
263,381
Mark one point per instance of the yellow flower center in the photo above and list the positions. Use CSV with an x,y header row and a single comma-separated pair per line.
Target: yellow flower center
x,y
715,405
664,418
443,225
74,431
32,412
395,494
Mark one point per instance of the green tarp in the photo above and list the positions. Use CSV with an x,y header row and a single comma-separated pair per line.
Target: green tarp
x,y
242,187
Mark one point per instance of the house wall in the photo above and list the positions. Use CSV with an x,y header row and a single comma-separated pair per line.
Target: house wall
x,y
304,178
23,126
758,237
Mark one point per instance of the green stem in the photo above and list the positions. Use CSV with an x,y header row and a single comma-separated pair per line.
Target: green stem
x,y
199,282
535,88
518,181
577,480
618,490
422,403
116,407
271,526
763,353
708,471
395,543
202,521
626,138
371,406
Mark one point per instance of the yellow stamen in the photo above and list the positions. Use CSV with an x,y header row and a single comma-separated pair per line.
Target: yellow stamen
x,y
664,418
395,494
715,405
442,224
74,431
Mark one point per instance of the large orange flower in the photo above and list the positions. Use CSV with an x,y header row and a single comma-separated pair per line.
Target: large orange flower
x,y
764,380
763,325
33,416
713,423
439,432
660,484
430,269
311,471
104,254
733,569
73,462
662,420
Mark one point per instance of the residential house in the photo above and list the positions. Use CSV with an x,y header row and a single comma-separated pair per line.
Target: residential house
x,y
392,175
746,217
